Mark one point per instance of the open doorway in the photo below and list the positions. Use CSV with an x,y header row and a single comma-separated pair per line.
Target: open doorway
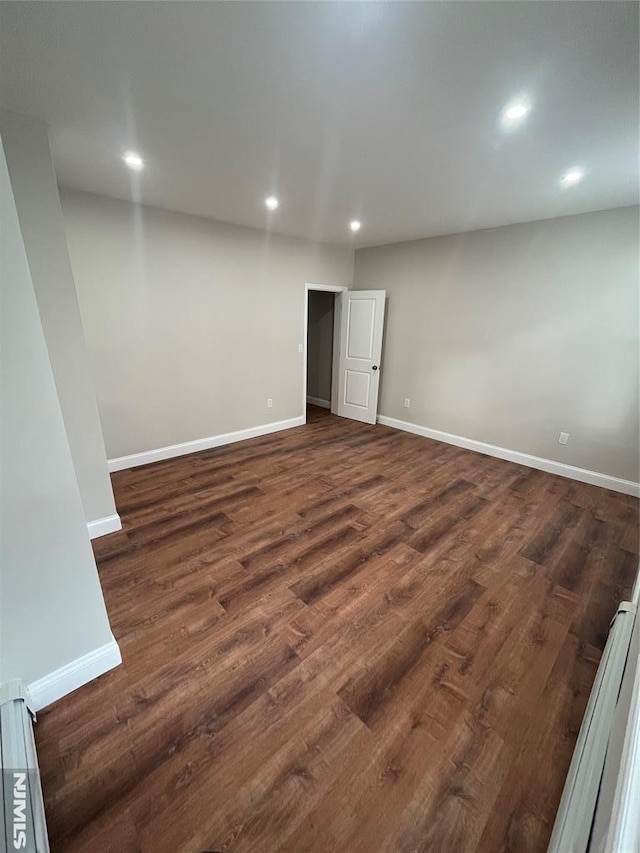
x,y
320,321
321,345
342,348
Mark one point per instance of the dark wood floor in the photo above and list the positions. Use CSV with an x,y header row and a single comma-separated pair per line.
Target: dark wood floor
x,y
338,638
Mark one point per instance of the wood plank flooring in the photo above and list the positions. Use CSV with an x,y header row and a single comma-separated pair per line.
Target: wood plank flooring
x,y
338,638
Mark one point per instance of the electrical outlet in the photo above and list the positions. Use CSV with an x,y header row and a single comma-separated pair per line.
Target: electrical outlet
x,y
564,438
269,403
407,403
300,348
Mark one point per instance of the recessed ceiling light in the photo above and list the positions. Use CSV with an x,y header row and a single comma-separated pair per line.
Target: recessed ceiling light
x,y
572,177
516,111
271,202
133,160
355,225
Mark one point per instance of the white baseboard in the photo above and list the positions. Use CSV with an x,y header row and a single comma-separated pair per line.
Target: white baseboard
x,y
63,681
318,401
627,487
102,526
147,456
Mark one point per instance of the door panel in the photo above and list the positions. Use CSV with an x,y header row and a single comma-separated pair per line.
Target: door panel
x,y
361,328
357,389
361,313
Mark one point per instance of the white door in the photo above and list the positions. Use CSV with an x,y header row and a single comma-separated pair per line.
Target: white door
x,y
361,325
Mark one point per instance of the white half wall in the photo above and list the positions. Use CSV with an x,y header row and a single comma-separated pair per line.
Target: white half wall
x,y
52,612
191,324
33,180
512,335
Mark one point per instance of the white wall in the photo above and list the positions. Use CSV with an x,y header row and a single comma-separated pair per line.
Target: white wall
x,y
35,190
191,324
510,335
320,344
51,606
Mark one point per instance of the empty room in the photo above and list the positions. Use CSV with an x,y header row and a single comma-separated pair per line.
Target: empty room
x,y
320,427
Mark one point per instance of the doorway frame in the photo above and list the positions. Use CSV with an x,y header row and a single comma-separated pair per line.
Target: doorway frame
x,y
326,288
